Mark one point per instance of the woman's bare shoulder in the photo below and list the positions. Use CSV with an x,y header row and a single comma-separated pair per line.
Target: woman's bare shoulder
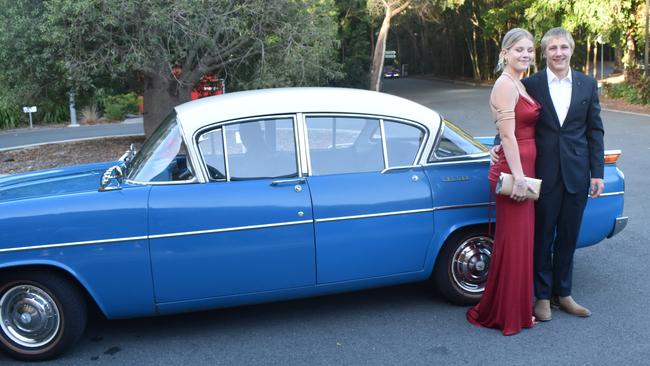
x,y
504,94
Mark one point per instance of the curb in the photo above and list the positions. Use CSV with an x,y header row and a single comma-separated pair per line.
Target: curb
x,y
66,141
626,112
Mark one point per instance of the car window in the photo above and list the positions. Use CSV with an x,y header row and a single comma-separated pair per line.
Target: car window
x,y
252,149
163,157
211,149
339,144
402,143
454,143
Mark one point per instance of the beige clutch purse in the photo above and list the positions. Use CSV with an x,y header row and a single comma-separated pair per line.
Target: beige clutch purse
x,y
506,181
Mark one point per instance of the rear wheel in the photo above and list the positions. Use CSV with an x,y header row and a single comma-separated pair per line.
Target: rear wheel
x,y
41,315
462,266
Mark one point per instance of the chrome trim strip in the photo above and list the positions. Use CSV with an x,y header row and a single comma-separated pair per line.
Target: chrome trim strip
x,y
398,168
165,183
619,193
72,244
381,214
228,229
382,136
239,228
469,205
619,224
476,158
225,152
300,137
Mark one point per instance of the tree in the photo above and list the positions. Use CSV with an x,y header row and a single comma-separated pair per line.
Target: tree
x,y
355,38
172,44
390,9
30,73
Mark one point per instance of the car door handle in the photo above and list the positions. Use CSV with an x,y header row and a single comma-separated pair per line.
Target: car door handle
x,y
288,181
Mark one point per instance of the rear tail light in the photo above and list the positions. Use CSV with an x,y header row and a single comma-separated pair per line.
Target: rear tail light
x,y
611,156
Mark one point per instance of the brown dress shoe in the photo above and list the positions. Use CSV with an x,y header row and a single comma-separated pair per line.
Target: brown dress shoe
x,y
569,305
542,310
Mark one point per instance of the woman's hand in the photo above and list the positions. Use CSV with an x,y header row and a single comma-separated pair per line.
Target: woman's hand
x,y
519,189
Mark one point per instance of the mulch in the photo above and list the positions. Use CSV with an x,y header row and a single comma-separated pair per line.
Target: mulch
x,y
65,154
621,105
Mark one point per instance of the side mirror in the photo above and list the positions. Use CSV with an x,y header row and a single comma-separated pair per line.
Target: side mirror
x,y
111,179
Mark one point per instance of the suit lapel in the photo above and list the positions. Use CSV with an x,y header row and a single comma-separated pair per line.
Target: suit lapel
x,y
576,86
545,94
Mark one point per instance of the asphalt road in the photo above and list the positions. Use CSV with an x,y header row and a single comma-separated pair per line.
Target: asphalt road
x,y
410,325
28,137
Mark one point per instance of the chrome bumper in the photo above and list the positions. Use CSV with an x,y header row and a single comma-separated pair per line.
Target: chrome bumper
x,y
619,225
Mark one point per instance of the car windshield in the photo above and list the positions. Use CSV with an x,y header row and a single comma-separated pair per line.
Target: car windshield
x,y
160,156
456,143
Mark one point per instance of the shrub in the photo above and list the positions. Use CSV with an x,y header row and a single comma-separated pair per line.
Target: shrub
x,y
118,106
54,112
89,115
10,116
635,89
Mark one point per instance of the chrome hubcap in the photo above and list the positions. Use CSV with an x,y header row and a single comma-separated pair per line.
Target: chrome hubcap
x,y
471,263
29,316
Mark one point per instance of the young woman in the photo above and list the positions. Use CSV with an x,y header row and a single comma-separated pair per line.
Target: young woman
x,y
507,301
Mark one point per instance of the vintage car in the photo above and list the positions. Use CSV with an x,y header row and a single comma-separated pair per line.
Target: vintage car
x,y
251,197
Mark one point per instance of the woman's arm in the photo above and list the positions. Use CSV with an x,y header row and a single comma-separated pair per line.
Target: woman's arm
x,y
503,100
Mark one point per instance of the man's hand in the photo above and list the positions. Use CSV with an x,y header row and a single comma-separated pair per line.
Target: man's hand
x,y
494,154
596,187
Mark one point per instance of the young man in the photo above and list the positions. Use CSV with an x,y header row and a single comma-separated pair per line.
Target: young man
x,y
570,153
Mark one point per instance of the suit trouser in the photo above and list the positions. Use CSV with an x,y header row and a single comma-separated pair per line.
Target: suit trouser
x,y
558,215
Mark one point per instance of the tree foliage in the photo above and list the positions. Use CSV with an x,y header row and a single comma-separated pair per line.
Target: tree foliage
x,y
171,45
30,71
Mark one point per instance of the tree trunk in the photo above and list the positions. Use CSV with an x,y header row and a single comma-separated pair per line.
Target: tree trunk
x,y
630,51
586,70
380,45
618,57
378,56
160,98
476,70
647,39
596,62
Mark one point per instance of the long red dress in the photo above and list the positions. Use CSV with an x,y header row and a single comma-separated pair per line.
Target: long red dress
x,y
507,301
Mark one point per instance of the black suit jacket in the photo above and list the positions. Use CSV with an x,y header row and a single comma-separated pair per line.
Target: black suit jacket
x,y
573,152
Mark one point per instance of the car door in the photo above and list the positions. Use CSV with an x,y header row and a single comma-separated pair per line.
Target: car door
x,y
369,221
249,229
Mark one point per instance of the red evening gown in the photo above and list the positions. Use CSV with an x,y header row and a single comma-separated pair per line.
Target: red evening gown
x,y
507,301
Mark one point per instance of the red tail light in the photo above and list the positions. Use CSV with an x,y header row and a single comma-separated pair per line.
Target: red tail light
x,y
611,156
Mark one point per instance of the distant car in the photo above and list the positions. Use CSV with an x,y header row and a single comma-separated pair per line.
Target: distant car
x,y
391,72
251,197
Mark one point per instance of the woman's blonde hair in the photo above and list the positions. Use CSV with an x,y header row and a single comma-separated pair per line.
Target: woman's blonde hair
x,y
513,36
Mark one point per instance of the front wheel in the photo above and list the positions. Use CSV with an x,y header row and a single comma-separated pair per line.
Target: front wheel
x,y
41,315
462,266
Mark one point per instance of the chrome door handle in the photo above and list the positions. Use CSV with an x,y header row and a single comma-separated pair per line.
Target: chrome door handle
x,y
288,181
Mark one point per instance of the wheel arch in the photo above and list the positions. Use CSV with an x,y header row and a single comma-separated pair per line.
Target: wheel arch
x,y
443,238
65,272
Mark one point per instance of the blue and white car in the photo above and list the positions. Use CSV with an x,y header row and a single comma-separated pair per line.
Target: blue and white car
x,y
251,197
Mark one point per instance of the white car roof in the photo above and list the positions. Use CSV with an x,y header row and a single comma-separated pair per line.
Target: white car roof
x,y
198,113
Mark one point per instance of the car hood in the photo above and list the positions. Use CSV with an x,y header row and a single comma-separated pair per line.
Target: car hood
x,y
58,181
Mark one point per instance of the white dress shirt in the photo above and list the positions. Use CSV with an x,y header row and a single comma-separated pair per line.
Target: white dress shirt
x,y
560,90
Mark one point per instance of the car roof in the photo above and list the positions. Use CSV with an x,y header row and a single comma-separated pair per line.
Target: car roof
x,y
199,113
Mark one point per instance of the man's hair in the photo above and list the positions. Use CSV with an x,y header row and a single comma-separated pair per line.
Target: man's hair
x,y
557,33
